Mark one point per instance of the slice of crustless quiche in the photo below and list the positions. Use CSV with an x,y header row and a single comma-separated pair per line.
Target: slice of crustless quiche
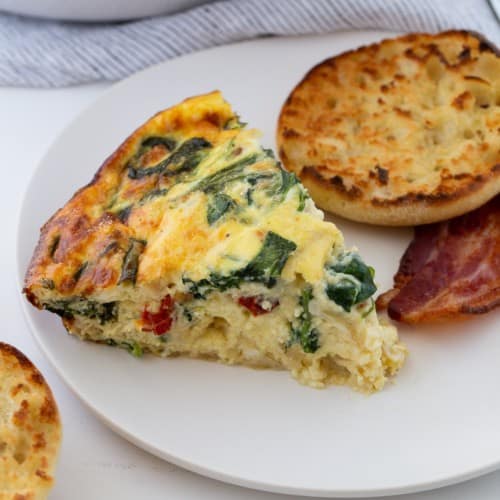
x,y
192,239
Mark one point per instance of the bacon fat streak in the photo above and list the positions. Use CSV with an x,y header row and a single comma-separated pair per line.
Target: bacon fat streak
x,y
450,269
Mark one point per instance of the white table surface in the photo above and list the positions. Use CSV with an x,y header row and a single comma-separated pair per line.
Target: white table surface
x,y
94,462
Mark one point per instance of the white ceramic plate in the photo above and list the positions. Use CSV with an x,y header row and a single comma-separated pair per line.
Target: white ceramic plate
x,y
438,423
96,10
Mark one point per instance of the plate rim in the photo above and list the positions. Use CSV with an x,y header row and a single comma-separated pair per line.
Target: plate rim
x,y
221,476
212,473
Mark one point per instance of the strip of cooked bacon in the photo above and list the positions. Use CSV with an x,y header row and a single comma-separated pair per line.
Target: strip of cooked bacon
x,y
451,269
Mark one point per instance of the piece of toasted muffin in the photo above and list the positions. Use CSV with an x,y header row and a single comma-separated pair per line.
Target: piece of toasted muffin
x,y
401,132
30,429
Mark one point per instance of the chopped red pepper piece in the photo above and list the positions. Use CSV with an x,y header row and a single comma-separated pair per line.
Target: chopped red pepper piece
x,y
159,322
254,304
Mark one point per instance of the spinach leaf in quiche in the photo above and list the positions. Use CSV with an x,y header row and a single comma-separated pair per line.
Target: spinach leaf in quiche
x,y
150,142
344,293
80,271
139,173
133,348
200,289
78,306
185,158
269,153
303,197
150,195
353,281
235,171
234,123
264,268
302,331
47,283
54,244
286,181
218,205
267,265
134,169
124,213
131,261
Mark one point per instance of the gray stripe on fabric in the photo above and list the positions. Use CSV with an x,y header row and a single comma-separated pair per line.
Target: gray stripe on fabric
x,y
38,53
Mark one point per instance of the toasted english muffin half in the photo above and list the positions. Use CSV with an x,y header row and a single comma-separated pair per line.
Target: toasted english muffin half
x,y
30,429
401,132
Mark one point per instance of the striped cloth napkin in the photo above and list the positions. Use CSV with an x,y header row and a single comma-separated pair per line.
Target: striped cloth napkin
x,y
36,53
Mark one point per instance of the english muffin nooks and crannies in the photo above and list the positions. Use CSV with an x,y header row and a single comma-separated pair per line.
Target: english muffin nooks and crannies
x,y
192,240
30,429
402,132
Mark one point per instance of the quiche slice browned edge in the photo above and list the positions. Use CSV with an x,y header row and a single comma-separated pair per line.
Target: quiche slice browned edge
x,y
401,132
192,240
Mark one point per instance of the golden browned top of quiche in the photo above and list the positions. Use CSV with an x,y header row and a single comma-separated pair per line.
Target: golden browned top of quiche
x,y
401,132
96,240
192,239
179,190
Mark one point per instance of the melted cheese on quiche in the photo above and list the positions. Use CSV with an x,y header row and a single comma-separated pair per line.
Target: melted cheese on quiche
x,y
193,240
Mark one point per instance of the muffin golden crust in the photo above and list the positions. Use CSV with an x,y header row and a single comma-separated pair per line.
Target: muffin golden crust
x,y
401,132
30,429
